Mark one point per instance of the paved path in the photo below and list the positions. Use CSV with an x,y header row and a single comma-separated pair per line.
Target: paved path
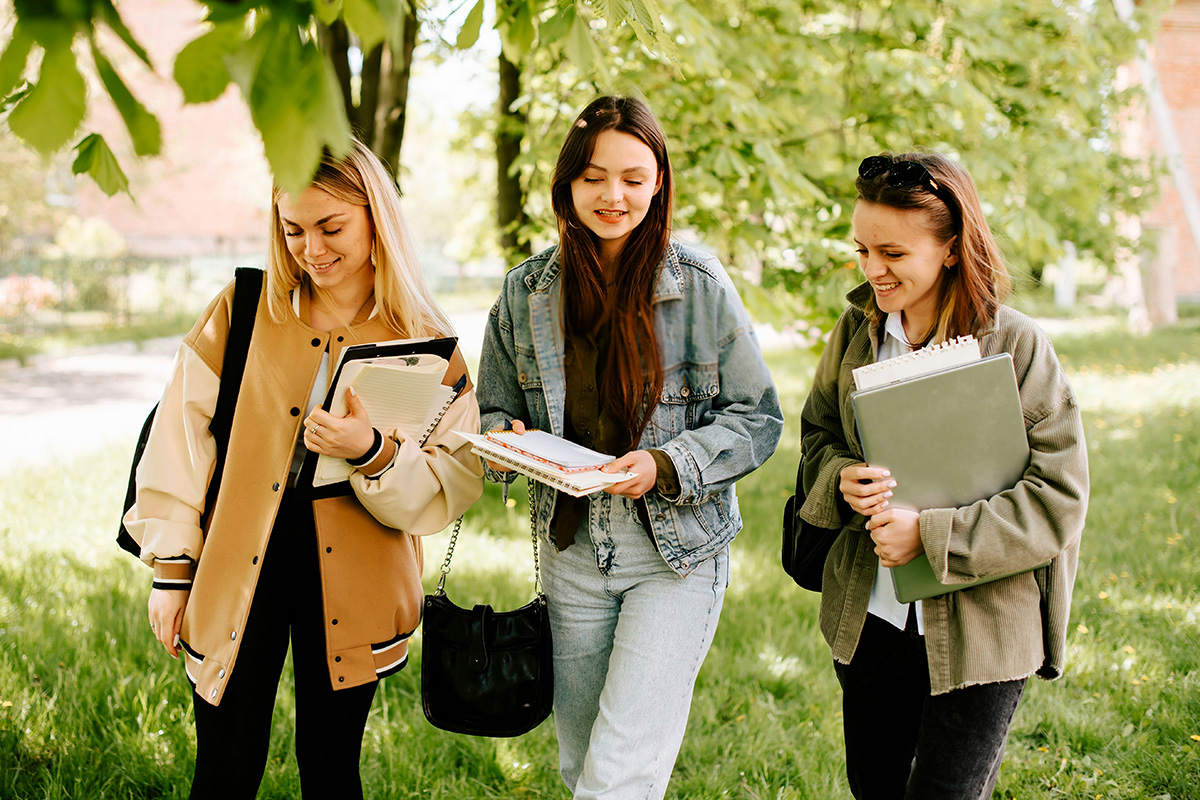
x,y
63,407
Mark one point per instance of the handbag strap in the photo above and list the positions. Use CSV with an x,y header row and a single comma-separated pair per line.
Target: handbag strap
x,y
537,567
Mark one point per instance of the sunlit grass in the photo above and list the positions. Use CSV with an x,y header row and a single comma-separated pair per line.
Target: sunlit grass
x,y
90,708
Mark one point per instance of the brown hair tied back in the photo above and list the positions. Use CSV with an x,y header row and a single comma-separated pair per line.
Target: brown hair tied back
x,y
973,289
633,377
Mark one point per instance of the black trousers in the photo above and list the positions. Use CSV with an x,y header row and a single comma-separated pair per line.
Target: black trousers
x,y
902,742
232,739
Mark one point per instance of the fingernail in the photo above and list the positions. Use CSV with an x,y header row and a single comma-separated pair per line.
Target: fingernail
x,y
352,392
887,494
886,473
891,485
885,504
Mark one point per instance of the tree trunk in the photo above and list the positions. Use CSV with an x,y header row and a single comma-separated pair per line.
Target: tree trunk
x,y
379,114
510,131
335,40
368,94
392,112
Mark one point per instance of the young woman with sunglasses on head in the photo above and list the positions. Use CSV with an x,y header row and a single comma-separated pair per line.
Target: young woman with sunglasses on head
x,y
930,688
337,577
630,343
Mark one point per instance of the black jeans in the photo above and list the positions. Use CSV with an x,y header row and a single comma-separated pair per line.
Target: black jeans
x,y
902,742
232,739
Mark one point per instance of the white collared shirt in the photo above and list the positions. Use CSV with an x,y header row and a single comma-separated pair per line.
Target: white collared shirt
x,y
883,596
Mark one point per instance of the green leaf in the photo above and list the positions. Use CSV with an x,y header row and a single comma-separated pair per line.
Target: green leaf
x,y
143,126
108,13
98,161
364,21
296,105
14,98
16,55
518,32
200,67
469,33
395,15
580,46
557,26
243,64
327,11
328,114
51,113
229,10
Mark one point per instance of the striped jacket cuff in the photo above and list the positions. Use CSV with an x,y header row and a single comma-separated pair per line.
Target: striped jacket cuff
x,y
174,573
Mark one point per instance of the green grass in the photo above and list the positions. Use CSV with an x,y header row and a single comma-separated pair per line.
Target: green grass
x,y
90,708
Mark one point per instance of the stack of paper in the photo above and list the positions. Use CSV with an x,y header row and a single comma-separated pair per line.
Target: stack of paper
x,y
398,392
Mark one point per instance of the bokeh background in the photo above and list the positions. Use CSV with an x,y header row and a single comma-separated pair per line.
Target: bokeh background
x,y
139,140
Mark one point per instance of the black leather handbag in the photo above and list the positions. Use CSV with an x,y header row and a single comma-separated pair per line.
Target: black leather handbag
x,y
805,546
484,672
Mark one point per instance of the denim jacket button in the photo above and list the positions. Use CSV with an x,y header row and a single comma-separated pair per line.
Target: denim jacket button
x,y
684,391
522,378
660,516
684,565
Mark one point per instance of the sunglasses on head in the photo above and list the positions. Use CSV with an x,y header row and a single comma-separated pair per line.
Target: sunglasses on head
x,y
905,174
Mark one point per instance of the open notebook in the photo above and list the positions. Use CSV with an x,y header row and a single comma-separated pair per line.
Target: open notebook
x,y
576,481
948,425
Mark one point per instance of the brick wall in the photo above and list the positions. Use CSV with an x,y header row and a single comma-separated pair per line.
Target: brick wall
x,y
1176,55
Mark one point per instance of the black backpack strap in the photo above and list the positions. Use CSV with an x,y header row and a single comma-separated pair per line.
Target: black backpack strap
x,y
246,292
247,289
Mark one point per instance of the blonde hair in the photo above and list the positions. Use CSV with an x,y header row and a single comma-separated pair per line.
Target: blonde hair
x,y
402,296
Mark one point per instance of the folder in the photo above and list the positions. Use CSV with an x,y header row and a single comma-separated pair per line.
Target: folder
x,y
415,405
949,437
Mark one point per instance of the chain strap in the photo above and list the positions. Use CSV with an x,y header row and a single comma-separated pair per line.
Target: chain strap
x,y
537,567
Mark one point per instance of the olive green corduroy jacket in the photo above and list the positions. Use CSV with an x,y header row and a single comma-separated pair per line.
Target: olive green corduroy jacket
x,y
1004,630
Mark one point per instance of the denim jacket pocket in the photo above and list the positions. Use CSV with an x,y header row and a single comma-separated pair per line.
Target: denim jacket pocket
x,y
687,393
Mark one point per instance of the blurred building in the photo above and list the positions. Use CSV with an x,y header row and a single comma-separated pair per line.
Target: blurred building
x,y
208,193
1173,259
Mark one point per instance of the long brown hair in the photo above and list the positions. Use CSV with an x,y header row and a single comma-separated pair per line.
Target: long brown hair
x,y
402,294
633,376
975,286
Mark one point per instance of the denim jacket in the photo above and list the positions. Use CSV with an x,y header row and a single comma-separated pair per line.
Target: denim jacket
x,y
718,418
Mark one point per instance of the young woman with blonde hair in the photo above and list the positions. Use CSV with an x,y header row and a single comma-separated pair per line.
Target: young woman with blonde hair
x,y
338,577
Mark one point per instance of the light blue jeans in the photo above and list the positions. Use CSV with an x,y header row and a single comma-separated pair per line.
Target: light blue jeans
x,y
629,638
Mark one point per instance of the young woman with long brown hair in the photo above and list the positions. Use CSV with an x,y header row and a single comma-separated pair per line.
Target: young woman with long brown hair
x,y
626,341
930,688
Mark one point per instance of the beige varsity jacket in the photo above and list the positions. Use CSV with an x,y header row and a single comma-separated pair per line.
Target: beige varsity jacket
x,y
370,556
1005,630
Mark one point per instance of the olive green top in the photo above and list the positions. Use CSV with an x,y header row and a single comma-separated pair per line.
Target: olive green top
x,y
591,422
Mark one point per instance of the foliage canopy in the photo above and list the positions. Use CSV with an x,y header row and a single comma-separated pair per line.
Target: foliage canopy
x,y
770,105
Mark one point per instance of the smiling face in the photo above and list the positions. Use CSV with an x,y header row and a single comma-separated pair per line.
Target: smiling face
x,y
613,194
330,240
904,262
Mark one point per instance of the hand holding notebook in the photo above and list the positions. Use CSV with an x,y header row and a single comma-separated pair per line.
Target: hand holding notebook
x,y
542,457
948,426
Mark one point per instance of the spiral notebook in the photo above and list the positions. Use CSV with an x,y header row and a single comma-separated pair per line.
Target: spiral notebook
x,y
574,483
404,392
948,425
